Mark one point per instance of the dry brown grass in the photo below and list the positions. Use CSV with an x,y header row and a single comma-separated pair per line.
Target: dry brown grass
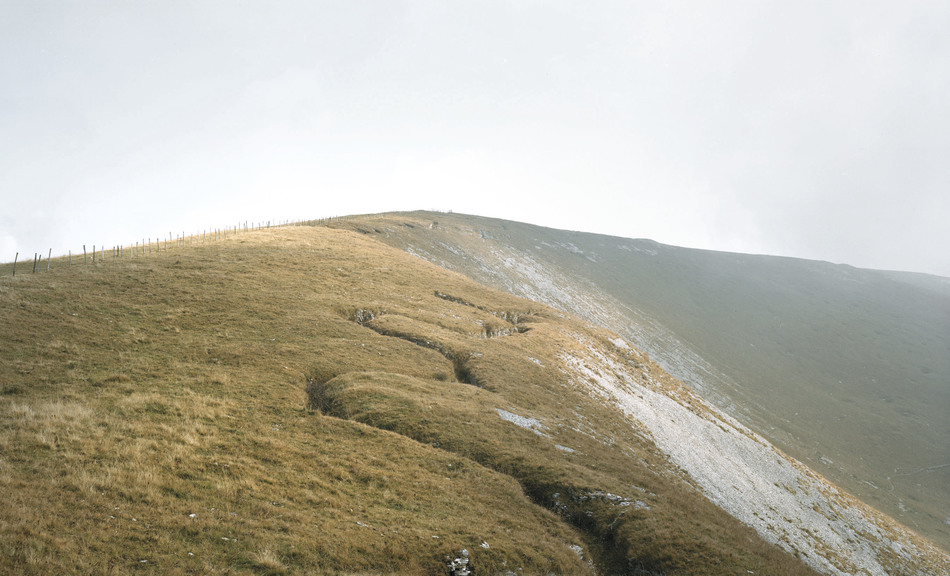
x,y
154,418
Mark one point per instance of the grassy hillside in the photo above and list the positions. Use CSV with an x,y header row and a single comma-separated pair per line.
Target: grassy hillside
x,y
309,400
846,369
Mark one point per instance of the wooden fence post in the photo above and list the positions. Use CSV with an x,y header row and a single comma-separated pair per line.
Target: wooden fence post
x,y
15,258
48,258
34,262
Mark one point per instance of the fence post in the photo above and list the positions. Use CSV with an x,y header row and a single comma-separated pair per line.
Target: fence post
x,y
15,258
34,262
48,258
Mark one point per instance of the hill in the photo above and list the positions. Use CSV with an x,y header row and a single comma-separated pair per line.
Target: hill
x,y
848,370
310,400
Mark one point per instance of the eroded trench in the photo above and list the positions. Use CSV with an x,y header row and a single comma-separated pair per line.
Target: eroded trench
x,y
459,360
597,517
509,322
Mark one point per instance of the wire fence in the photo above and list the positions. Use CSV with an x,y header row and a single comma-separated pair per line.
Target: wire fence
x,y
98,253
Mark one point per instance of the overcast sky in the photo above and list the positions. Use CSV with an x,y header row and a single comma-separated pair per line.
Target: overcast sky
x,y
811,129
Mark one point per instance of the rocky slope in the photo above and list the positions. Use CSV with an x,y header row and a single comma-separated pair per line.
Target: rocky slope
x,y
787,503
848,370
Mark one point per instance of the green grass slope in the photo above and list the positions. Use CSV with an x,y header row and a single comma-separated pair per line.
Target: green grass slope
x,y
846,369
308,400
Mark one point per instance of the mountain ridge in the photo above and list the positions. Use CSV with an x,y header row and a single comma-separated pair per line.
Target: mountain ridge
x,y
791,315
305,399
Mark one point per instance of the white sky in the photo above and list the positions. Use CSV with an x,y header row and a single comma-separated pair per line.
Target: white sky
x,y
803,128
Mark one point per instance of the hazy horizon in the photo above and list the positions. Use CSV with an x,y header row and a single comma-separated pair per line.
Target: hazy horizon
x,y
801,129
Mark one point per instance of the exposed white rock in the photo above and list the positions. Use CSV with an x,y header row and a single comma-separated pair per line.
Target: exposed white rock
x,y
738,470
525,276
532,424
536,361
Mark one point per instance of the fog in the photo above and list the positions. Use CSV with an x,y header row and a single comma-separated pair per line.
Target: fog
x,y
805,129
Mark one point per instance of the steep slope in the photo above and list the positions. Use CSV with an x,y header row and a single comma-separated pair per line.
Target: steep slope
x,y
846,369
309,400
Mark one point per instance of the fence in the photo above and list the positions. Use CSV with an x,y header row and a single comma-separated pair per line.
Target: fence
x,y
138,250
